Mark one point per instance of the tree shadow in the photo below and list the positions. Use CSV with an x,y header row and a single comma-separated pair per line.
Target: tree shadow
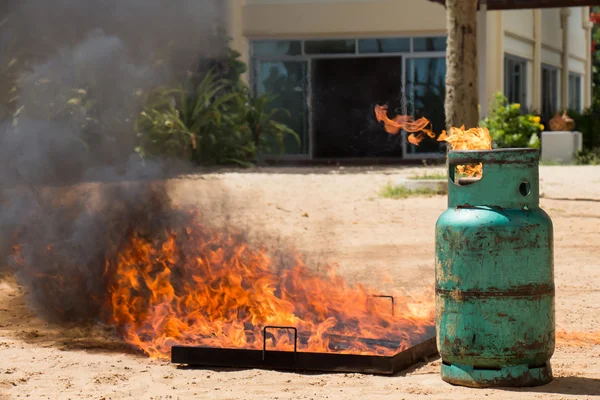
x,y
567,385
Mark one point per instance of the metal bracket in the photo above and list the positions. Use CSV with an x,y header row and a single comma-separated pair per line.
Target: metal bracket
x,y
264,349
383,296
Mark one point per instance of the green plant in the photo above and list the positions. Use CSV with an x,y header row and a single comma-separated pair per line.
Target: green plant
x,y
212,119
509,128
588,123
191,122
588,157
390,191
267,133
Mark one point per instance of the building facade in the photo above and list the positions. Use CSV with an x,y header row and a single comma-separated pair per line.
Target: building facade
x,y
331,61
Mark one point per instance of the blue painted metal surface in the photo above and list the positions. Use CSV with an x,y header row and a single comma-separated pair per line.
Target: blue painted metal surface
x,y
495,274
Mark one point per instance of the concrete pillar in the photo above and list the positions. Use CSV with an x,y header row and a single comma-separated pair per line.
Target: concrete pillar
x,y
234,25
494,56
537,60
500,51
588,78
564,22
482,57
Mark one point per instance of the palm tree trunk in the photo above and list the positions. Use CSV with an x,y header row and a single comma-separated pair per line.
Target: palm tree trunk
x,y
461,62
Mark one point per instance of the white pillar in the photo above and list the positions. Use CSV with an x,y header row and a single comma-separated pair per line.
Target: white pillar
x,y
587,79
537,61
482,58
234,25
564,19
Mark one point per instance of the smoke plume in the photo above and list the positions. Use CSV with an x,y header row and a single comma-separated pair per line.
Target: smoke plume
x,y
74,74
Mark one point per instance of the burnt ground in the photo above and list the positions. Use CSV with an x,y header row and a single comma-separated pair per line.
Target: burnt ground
x,y
331,215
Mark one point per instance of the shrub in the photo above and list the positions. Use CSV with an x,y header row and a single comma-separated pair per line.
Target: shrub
x,y
216,121
267,133
189,123
510,128
588,157
588,123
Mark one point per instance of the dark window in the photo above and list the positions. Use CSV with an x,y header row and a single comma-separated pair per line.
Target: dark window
x,y
330,46
549,91
289,81
515,80
575,91
429,44
399,45
425,95
262,48
344,93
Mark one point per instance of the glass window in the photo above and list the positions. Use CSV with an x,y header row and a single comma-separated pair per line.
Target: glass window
x,y
287,80
398,45
344,91
276,48
575,92
429,43
549,91
330,46
515,80
425,96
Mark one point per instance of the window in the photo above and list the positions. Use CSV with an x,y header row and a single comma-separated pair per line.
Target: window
x,y
549,91
429,43
330,46
575,91
515,79
398,45
262,48
329,87
425,95
287,79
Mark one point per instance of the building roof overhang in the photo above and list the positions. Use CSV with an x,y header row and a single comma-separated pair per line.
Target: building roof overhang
x,y
521,4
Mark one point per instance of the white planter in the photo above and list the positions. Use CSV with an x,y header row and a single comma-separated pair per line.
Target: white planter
x,y
560,147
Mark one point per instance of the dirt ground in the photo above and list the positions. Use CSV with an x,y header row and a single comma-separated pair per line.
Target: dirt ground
x,y
330,214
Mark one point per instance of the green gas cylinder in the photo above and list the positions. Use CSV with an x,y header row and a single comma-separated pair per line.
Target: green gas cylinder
x,y
495,273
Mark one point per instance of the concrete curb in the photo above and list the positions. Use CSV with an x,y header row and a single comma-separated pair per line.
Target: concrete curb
x,y
438,185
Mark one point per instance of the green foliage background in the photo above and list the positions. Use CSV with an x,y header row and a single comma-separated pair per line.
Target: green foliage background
x,y
212,119
510,128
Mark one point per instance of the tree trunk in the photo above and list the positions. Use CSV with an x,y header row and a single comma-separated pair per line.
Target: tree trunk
x,y
461,62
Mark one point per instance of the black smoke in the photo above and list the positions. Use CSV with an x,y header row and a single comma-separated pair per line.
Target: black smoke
x,y
74,75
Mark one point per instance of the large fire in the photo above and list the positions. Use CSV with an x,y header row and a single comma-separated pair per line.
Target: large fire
x,y
201,286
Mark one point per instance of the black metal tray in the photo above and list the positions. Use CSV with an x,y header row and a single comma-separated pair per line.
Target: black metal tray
x,y
302,361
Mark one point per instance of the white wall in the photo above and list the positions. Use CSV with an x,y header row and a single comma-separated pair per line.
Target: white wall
x,y
519,22
519,39
339,18
551,29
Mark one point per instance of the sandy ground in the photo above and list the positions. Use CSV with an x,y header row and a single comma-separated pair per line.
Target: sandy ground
x,y
331,214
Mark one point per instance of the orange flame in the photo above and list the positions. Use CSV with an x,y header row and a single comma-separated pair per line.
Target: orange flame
x,y
577,339
418,129
472,139
201,286
458,138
